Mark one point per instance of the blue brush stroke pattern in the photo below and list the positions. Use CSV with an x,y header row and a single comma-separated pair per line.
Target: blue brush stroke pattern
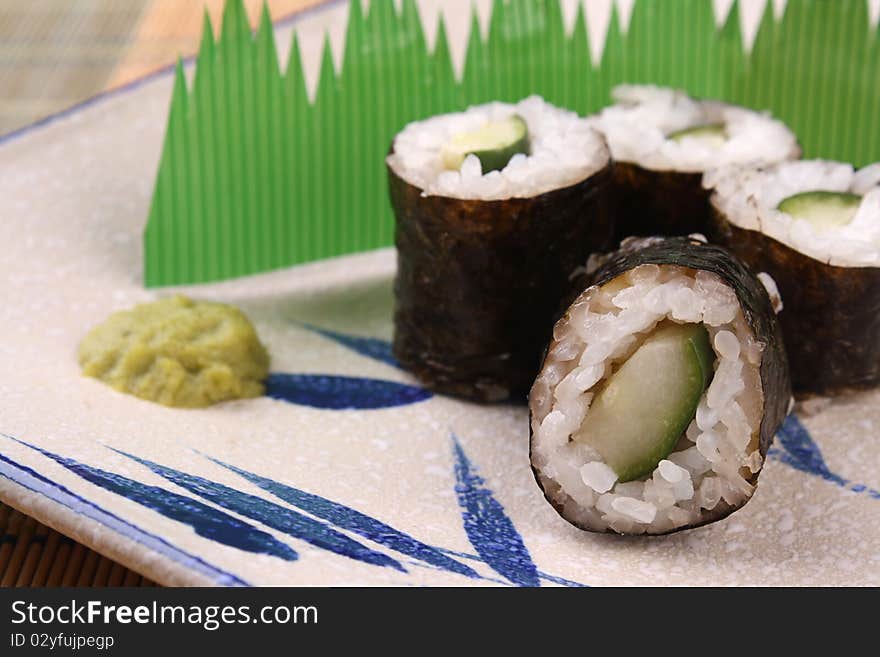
x,y
800,451
561,581
545,576
206,521
355,521
34,481
487,526
267,512
342,392
374,348
270,514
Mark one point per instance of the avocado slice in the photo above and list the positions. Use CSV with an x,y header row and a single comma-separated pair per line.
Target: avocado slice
x,y
494,144
711,134
824,210
637,418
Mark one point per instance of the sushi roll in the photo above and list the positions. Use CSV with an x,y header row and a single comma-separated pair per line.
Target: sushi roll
x,y
662,141
814,226
495,208
661,391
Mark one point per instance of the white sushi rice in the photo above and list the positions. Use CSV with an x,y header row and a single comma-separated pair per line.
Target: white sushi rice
x,y
710,465
637,128
748,197
564,150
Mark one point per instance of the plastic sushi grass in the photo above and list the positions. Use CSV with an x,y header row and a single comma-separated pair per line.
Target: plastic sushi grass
x,y
349,473
258,173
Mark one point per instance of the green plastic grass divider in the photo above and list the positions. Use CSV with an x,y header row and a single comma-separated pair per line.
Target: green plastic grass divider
x,y
254,177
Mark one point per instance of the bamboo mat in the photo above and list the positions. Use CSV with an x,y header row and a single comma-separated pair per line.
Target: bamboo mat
x,y
31,554
52,56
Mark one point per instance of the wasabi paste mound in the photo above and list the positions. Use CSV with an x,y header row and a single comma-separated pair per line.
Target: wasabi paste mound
x,y
177,352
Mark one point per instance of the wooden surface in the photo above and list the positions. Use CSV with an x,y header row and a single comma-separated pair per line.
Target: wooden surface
x,y
31,554
57,53
54,55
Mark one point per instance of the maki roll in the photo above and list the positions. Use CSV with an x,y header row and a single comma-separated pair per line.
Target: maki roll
x,y
662,141
814,226
661,391
495,208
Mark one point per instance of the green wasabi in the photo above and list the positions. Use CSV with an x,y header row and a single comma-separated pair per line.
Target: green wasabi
x,y
177,352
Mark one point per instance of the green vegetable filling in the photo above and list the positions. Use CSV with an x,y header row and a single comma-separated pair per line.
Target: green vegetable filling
x,y
710,134
824,210
645,406
493,144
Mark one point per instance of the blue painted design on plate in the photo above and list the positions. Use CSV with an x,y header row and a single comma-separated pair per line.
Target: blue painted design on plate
x,y
800,451
545,576
562,581
206,521
342,392
374,348
354,521
487,526
270,514
34,481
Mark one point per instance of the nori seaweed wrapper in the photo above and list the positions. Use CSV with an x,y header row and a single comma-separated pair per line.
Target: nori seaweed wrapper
x,y
479,282
654,202
830,316
758,312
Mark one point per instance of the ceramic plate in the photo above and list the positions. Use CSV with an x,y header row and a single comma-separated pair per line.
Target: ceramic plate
x,y
349,472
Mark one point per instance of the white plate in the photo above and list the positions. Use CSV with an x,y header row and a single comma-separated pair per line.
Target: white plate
x,y
425,490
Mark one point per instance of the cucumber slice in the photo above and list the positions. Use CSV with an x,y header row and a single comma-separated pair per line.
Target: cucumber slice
x,y
711,134
494,144
640,414
824,210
